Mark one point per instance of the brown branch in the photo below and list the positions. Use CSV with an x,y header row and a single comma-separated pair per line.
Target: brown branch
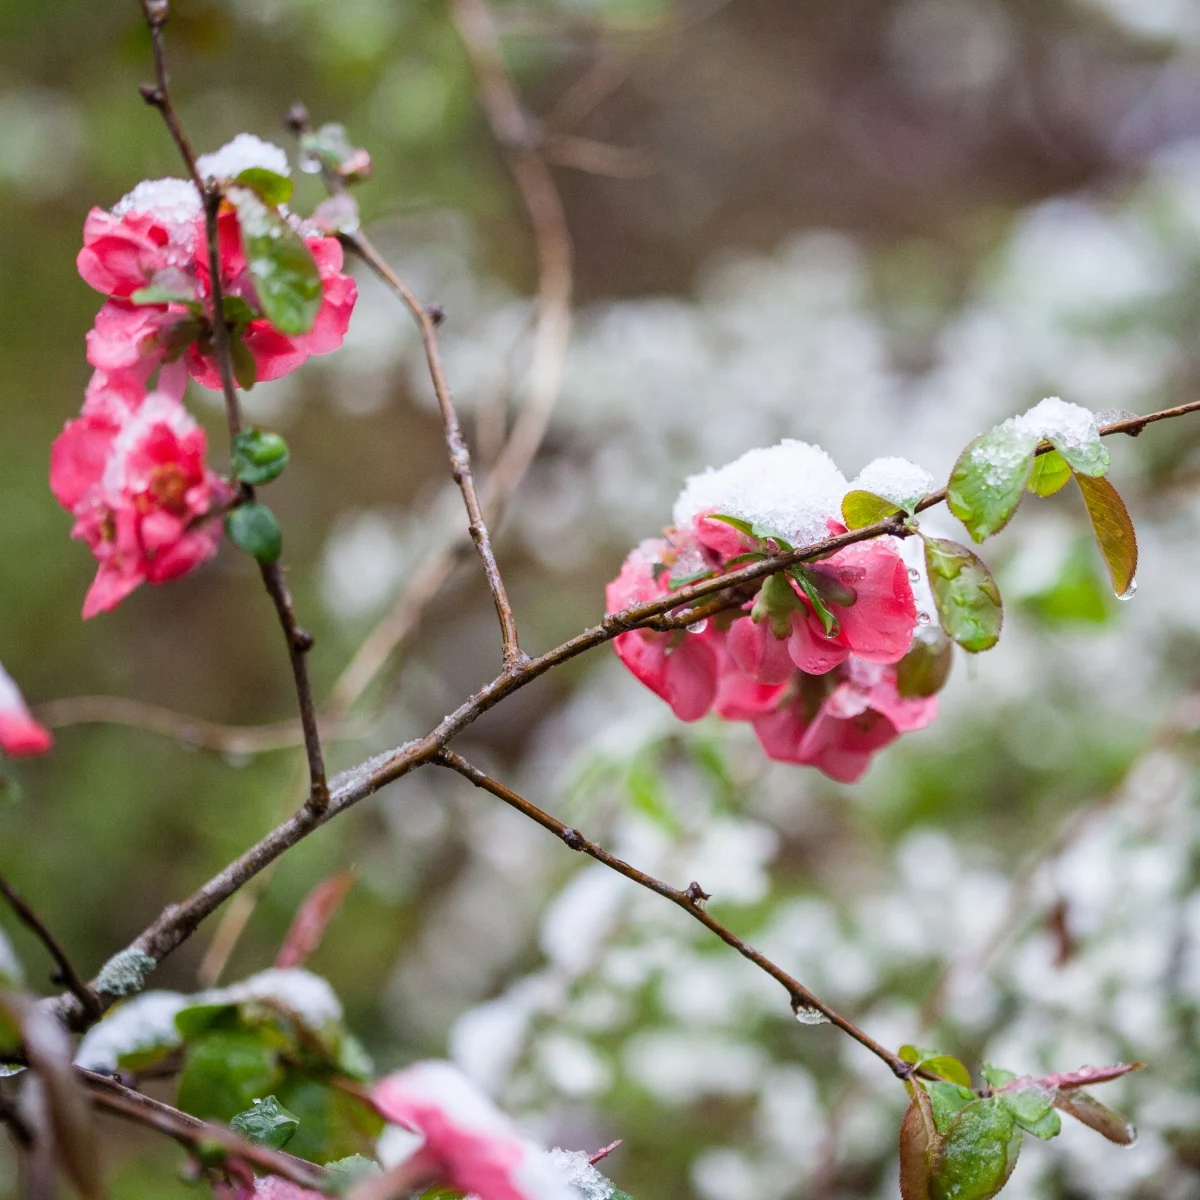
x,y
64,973
106,1093
182,727
460,456
177,922
299,641
690,899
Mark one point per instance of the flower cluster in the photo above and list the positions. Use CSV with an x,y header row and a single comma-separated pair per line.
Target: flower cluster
x,y
131,468
20,734
811,660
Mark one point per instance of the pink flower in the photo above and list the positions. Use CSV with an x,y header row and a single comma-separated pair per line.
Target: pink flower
x,y
680,667
835,722
20,734
136,482
275,353
469,1143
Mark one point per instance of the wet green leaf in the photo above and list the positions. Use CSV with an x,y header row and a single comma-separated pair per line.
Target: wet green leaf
x,y
860,509
281,265
996,1077
949,1068
272,188
989,479
1090,459
968,601
947,1100
333,1124
225,1071
245,369
162,295
253,528
978,1153
266,1123
923,671
1114,531
258,456
813,588
1050,474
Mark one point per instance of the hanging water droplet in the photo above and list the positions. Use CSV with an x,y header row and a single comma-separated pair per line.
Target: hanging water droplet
x,y
809,1016
698,626
914,574
1128,593
922,618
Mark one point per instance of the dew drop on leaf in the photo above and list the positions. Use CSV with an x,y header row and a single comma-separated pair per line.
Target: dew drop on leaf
x,y
698,626
914,574
1129,592
922,618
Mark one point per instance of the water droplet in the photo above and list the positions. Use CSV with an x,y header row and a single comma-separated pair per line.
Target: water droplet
x,y
914,574
922,618
698,626
809,1016
1128,593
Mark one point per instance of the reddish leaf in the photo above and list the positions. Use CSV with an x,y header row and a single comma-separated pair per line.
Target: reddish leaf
x,y
1086,1108
320,906
1087,1076
1114,531
919,1141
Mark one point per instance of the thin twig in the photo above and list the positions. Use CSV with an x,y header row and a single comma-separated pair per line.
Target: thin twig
x,y
183,727
112,1096
460,456
64,973
299,641
690,899
176,923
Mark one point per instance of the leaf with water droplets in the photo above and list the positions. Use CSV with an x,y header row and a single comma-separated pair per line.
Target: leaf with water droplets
x,y
989,478
968,601
919,1141
948,1099
1089,1076
1086,1108
1033,1109
1050,474
1114,531
978,1154
860,509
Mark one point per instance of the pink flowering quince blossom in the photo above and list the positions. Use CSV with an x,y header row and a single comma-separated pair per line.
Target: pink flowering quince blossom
x,y
468,1143
137,484
820,688
20,734
155,238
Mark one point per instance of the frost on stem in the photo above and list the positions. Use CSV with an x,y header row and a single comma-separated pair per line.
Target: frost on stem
x,y
125,973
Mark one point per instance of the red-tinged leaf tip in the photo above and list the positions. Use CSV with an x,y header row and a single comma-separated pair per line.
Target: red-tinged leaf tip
x,y
1085,1108
312,918
1087,1076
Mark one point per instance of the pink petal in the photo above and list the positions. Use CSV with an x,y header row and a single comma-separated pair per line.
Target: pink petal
x,y
758,652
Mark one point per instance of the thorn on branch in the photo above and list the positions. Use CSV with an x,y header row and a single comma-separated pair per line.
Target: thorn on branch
x,y
574,839
696,894
302,640
152,94
436,313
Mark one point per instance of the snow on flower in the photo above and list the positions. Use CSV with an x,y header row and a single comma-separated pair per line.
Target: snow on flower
x,y
155,238
809,661
469,1144
138,486
20,734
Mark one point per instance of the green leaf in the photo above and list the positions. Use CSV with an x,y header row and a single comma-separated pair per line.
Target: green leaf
x,y
272,188
860,509
225,1072
281,265
1114,531
812,588
266,1123
237,311
997,1077
245,369
253,528
736,522
948,1099
1090,459
978,1153
675,582
923,671
194,1022
333,1124
776,602
162,295
350,1170
646,792
1028,1105
948,1068
968,601
1050,474
919,1140
989,479
258,456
